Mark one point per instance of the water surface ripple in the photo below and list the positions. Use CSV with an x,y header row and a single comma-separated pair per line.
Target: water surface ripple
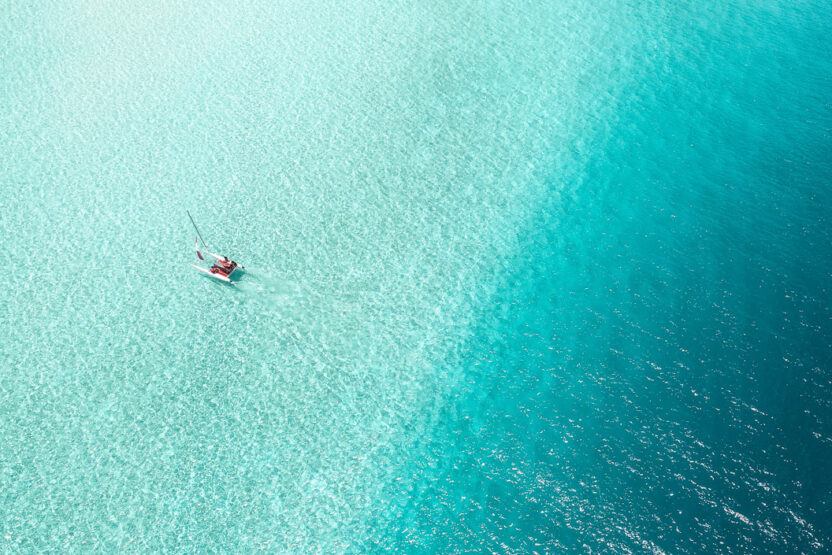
x,y
524,277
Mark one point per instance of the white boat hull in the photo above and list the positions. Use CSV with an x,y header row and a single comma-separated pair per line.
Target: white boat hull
x,y
213,275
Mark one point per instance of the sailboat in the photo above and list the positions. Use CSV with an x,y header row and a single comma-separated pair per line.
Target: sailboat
x,y
222,268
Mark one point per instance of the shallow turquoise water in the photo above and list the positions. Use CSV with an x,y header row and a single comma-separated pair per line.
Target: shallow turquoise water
x,y
523,277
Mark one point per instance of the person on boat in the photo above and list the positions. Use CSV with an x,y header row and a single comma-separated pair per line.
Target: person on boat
x,y
224,262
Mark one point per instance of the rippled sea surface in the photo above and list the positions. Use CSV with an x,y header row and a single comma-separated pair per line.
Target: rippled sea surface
x,y
522,276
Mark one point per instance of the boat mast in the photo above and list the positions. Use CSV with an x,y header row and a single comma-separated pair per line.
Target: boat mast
x,y
198,234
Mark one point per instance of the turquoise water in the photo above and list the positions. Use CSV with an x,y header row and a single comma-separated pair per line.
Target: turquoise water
x,y
522,277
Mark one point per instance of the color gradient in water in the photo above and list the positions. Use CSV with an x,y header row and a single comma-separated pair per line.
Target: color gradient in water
x,y
523,277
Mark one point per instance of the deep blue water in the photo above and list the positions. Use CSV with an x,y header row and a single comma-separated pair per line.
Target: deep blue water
x,y
655,373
